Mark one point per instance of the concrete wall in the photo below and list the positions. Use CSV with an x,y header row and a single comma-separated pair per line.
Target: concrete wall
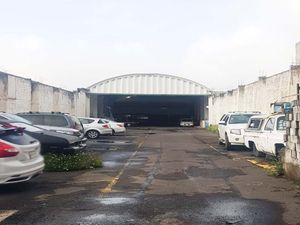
x,y
19,94
257,96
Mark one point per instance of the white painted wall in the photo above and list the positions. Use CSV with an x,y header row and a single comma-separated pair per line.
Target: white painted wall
x,y
18,94
256,96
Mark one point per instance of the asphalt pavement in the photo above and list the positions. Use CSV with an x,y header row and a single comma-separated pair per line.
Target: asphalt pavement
x,y
159,176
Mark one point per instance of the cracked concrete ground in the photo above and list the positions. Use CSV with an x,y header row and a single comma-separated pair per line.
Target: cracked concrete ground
x,y
166,176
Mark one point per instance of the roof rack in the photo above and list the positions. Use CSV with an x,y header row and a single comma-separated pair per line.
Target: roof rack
x,y
244,112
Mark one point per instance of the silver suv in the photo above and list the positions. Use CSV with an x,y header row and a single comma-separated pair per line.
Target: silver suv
x,y
55,121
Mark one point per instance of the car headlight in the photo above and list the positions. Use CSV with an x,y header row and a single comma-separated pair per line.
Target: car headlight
x,y
236,131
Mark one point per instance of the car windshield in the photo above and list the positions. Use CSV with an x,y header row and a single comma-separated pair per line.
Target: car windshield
x,y
239,118
17,118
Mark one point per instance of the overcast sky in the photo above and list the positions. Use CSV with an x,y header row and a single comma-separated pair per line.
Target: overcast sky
x,y
218,43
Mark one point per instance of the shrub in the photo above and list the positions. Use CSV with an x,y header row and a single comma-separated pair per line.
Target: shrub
x,y
213,128
71,162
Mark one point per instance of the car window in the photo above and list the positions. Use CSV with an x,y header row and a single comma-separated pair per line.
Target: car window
x,y
35,119
281,123
86,121
222,117
226,119
55,120
270,124
254,123
239,118
100,121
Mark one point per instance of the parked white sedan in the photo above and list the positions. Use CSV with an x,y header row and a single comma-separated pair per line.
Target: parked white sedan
x,y
94,127
20,158
116,127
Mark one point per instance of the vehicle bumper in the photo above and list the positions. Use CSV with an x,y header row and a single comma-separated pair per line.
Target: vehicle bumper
x,y
120,130
80,145
236,139
106,131
15,172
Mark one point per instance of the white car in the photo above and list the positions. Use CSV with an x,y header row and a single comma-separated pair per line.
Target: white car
x,y
186,123
265,134
116,127
20,158
231,128
94,127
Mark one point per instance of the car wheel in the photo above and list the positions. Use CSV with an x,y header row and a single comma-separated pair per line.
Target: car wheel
x,y
227,143
256,152
92,134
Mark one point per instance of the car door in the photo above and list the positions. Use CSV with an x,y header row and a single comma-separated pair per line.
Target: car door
x,y
265,144
222,126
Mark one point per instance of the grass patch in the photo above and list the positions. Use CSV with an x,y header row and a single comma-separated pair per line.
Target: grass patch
x,y
71,162
213,128
278,169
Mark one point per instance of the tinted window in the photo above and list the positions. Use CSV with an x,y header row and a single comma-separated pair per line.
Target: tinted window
x,y
239,118
270,124
17,138
35,119
100,121
86,121
255,123
55,120
281,123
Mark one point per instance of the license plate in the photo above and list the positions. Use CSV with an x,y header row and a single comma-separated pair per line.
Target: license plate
x,y
32,154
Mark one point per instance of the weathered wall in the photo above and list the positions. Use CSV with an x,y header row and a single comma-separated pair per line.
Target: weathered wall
x,y
19,94
292,150
256,96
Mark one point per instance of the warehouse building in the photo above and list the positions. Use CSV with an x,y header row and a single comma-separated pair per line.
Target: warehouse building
x,y
149,99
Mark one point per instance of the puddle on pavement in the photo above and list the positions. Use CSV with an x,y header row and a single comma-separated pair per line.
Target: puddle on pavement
x,y
114,142
116,200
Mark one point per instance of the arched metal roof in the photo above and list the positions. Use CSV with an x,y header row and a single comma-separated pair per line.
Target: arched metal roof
x,y
149,84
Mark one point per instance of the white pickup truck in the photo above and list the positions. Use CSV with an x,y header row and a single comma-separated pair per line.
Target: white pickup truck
x,y
265,134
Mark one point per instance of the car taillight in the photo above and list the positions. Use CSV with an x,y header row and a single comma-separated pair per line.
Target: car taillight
x,y
105,126
7,150
120,125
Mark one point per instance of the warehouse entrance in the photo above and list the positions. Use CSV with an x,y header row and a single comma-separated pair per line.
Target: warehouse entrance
x,y
150,110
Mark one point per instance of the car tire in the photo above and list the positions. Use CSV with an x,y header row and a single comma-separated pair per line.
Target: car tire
x,y
256,152
227,143
92,134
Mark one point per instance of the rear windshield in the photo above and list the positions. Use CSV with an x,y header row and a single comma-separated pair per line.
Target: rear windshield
x,y
18,138
77,123
255,123
281,123
16,118
239,118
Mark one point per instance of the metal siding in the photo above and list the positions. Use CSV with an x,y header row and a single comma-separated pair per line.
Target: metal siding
x,y
149,84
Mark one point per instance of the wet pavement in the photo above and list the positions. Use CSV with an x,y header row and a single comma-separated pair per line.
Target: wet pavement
x,y
164,176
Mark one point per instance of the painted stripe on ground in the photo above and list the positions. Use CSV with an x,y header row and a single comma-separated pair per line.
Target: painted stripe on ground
x,y
265,166
4,214
115,180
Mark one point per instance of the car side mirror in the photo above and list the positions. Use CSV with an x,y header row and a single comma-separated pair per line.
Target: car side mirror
x,y
222,123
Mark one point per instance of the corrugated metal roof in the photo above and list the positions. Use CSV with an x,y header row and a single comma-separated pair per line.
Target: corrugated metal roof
x,y
149,84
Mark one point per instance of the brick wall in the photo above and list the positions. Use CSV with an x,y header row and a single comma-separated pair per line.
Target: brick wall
x,y
292,138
